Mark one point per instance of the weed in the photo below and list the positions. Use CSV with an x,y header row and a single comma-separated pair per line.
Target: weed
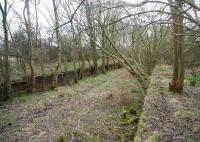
x,y
61,139
196,129
154,138
138,91
192,140
192,78
20,98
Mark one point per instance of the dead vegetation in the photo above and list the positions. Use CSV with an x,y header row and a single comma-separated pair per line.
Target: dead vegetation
x,y
169,116
88,111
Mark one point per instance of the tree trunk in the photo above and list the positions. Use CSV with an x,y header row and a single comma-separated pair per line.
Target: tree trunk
x,y
94,55
102,53
81,57
74,65
92,37
58,42
7,86
178,41
30,43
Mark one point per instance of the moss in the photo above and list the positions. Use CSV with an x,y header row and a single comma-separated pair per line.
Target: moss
x,y
144,127
61,139
130,120
195,79
133,81
96,138
155,137
112,117
133,111
191,140
196,129
131,114
124,114
138,91
137,139
76,133
20,98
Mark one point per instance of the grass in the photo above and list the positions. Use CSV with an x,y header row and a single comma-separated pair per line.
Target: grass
x,y
19,98
17,73
195,79
192,140
153,138
183,112
138,91
80,111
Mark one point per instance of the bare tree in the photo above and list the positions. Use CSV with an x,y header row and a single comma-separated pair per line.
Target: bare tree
x,y
4,12
58,43
91,33
27,18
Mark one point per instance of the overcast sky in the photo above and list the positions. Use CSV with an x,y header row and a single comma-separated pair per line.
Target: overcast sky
x,y
44,8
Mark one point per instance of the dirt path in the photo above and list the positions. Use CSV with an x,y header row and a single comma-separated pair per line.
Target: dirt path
x,y
87,111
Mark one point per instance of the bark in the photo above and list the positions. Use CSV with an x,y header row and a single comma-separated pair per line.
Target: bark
x,y
92,37
178,41
94,54
7,86
102,52
30,43
81,57
74,54
58,42
74,65
107,62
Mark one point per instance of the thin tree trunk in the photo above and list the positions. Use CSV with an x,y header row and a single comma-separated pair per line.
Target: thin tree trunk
x,y
6,56
81,57
30,42
58,42
92,37
102,52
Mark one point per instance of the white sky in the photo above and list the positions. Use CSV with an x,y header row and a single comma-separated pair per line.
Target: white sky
x,y
45,6
43,14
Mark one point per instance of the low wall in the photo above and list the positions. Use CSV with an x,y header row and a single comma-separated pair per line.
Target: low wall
x,y
43,83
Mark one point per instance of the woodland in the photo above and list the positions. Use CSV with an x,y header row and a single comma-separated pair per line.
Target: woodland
x,y
100,70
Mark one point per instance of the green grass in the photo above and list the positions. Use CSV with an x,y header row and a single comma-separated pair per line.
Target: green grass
x,y
19,98
189,77
192,140
138,91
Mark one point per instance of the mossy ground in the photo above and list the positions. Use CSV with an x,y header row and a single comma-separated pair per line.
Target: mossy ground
x,y
169,116
90,111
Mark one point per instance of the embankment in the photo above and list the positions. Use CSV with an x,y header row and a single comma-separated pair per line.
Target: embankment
x,y
44,83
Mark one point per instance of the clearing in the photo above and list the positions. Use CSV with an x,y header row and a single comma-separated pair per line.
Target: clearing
x,y
88,111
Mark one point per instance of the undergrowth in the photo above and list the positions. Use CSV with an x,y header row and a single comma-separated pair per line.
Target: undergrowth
x,y
131,114
23,97
192,78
